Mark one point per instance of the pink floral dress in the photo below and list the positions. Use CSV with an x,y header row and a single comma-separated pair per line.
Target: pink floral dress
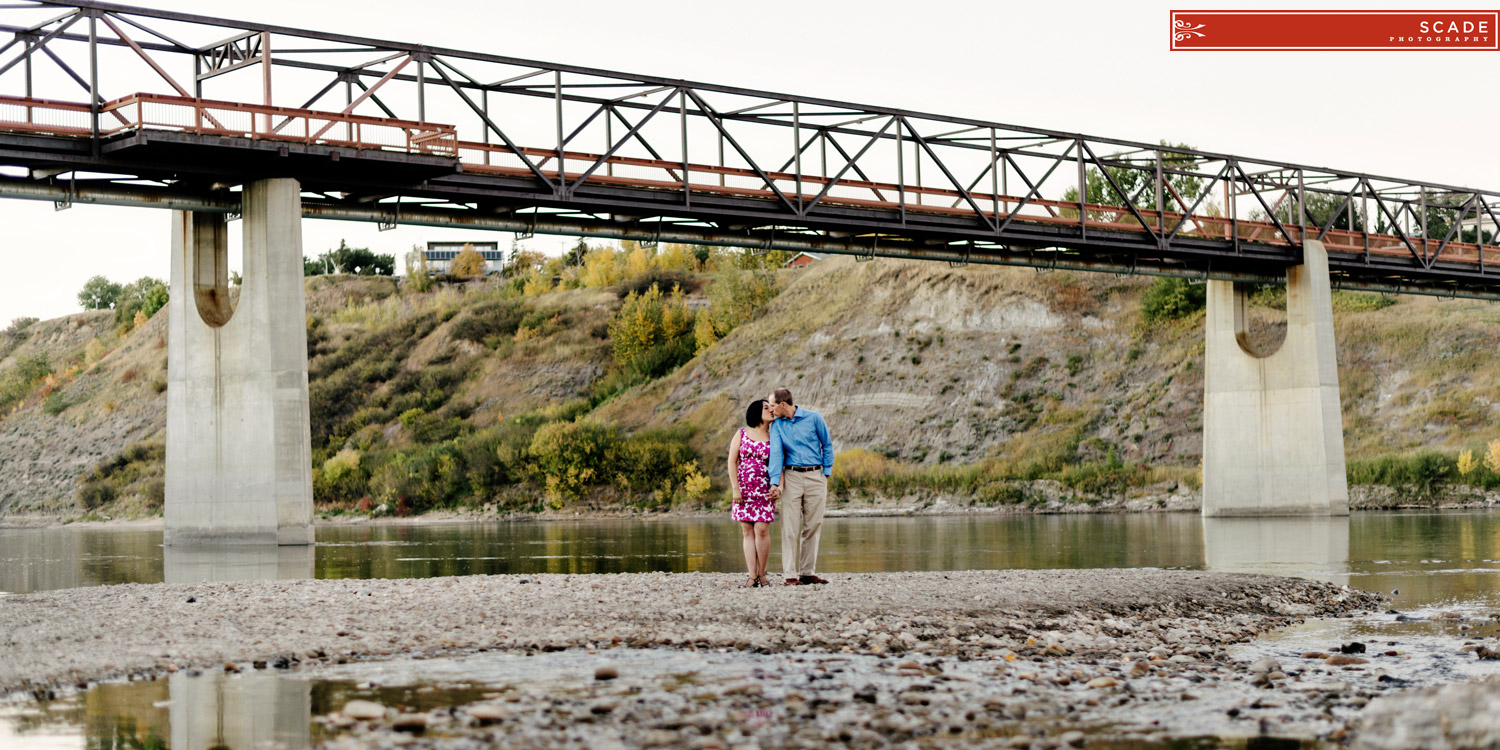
x,y
756,505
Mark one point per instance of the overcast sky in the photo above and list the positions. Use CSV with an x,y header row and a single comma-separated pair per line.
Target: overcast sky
x,y
1101,68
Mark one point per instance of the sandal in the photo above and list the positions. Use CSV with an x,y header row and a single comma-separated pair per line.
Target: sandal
x,y
753,583
763,581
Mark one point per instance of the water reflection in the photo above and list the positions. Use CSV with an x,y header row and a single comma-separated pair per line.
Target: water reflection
x,y
218,711
60,558
1435,560
1314,547
1428,557
190,564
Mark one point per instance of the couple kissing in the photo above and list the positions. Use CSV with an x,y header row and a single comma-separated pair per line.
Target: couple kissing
x,y
782,458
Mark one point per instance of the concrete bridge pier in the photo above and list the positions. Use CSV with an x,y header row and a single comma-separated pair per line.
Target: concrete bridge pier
x,y
238,431
1273,441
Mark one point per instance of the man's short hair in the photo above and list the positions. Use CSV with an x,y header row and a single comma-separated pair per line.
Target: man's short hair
x,y
783,396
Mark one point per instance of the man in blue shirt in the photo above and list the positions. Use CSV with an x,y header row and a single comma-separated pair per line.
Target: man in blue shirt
x,y
801,462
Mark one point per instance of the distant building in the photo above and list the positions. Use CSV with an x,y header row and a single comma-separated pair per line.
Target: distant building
x,y
440,255
801,260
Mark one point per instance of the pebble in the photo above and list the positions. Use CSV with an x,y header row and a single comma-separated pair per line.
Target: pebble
x,y
1102,682
486,714
412,723
364,710
1266,665
1341,660
1074,738
607,672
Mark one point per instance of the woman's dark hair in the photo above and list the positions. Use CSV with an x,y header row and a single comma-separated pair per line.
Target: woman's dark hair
x,y
752,413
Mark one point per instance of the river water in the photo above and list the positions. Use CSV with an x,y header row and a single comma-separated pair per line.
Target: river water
x,y
1433,564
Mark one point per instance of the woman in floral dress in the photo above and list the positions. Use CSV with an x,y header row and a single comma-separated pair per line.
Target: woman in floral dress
x,y
754,500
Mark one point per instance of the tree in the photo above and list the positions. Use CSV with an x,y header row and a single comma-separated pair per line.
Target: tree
x,y
1138,183
417,275
575,255
736,297
652,333
1319,207
99,293
145,294
467,264
1442,211
523,261
355,260
1169,298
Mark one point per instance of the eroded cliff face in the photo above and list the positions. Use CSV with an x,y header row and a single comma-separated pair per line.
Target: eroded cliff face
x,y
931,364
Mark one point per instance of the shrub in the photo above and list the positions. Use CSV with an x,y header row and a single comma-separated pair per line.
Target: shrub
x,y
651,332
736,297
418,277
1423,471
56,404
136,471
571,456
491,319
601,267
654,462
1170,298
661,279
144,295
94,494
18,326
858,467
1467,463
537,283
20,380
94,351
1347,301
343,463
1492,456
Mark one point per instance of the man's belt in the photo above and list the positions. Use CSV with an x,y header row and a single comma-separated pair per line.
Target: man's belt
x,y
804,468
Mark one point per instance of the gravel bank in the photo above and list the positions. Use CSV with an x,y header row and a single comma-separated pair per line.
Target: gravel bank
x,y
65,638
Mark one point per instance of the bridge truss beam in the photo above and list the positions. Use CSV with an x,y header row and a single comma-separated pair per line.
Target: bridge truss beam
x,y
489,140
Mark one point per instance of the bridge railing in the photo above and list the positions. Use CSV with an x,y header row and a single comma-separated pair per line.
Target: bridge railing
x,y
45,116
708,178
208,117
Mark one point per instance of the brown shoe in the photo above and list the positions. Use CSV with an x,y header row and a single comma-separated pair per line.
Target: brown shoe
x,y
794,581
808,580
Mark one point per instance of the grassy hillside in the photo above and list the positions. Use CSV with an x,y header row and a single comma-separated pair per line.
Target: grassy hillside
x,y
518,394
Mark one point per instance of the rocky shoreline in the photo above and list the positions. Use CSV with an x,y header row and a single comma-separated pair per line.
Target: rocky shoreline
x,y
1369,498
873,656
1047,498
993,659
74,636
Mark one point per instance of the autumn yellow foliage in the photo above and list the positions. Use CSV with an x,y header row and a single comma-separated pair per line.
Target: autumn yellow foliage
x,y
1466,463
467,264
1492,456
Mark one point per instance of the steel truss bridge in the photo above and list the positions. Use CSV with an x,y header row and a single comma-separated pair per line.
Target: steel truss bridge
x,y
112,104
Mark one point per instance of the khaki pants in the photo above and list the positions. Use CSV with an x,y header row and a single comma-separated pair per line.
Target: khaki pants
x,y
804,493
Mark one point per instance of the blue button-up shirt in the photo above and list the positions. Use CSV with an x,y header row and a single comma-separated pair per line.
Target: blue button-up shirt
x,y
800,441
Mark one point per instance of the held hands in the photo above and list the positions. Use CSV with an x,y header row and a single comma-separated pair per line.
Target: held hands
x,y
775,492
